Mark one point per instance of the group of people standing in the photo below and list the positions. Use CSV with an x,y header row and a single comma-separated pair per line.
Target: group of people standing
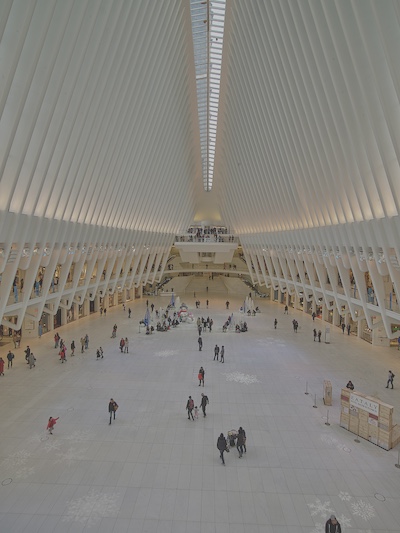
x,y
219,353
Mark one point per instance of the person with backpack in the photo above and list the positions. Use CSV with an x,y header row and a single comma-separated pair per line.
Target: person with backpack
x,y
332,525
203,403
190,407
72,348
112,408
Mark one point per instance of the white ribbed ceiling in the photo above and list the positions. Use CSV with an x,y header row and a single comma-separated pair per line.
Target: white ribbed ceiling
x,y
309,123
99,121
98,118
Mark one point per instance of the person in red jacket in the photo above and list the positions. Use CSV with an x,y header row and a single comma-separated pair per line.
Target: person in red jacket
x,y
51,423
1,366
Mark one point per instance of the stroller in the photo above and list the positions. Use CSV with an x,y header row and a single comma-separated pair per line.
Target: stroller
x,y
232,436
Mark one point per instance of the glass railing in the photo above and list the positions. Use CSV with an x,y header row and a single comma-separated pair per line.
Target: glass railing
x,y
206,238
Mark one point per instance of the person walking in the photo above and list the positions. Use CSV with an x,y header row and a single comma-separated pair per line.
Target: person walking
x,y
332,525
286,312
122,344
126,346
240,443
275,323
129,312
72,348
1,366
105,311
242,431
31,360
200,341
51,423
10,357
207,303
216,352
86,341
319,335
201,376
196,412
343,327
349,329
221,445
203,403
189,407
112,408
222,354
390,379
82,344
227,304
315,334
27,354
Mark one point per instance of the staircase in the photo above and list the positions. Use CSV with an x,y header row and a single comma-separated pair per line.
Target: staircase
x,y
199,285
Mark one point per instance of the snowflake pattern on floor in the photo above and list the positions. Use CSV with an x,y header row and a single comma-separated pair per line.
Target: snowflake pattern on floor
x,y
51,445
328,440
241,378
16,459
73,454
334,443
90,509
344,496
320,509
166,353
80,436
363,509
15,465
37,437
24,472
318,528
344,522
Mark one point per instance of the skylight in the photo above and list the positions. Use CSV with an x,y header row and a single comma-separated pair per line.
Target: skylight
x,y
208,17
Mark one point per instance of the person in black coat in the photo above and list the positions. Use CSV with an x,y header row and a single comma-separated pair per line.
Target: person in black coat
x,y
221,445
332,525
242,431
240,443
200,341
203,403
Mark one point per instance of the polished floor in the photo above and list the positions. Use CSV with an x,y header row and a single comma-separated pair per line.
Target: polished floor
x,y
153,470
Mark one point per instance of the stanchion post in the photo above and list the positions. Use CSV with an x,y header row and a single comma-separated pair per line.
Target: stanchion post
x,y
327,418
306,388
315,401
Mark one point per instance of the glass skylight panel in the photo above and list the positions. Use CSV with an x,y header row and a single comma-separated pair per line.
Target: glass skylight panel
x,y
208,18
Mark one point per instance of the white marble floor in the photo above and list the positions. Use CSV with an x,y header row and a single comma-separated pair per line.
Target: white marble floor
x,y
155,471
